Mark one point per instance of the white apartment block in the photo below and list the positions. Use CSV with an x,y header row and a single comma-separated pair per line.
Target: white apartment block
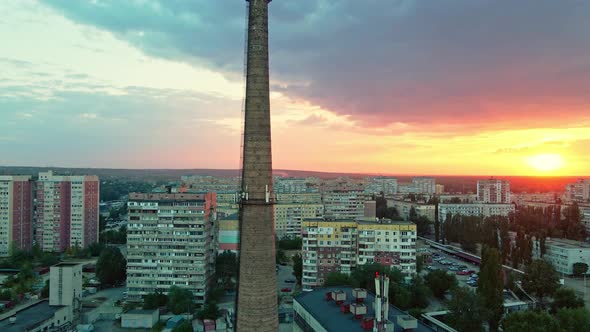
x,y
305,198
424,185
291,185
65,284
493,191
563,254
344,204
404,208
288,218
578,191
385,185
340,246
474,209
171,240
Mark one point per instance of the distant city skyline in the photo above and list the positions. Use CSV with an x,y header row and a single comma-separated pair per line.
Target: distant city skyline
x,y
397,88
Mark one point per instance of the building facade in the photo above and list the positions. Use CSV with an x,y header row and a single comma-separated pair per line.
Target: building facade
x,y
171,240
474,209
288,218
16,213
344,204
340,246
404,208
563,254
385,185
67,211
493,191
229,233
424,185
578,191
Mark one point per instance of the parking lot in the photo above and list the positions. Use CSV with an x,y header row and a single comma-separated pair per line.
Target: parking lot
x,y
464,271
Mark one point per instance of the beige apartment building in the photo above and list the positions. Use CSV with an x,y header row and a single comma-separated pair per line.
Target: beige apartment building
x,y
171,240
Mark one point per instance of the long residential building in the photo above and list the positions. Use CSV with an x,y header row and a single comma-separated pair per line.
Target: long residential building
x,y
340,246
404,208
67,210
382,184
344,204
474,209
171,240
288,218
16,213
563,253
578,191
493,191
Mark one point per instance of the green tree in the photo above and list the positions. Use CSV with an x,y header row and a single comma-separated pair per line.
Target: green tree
x,y
45,290
440,282
111,266
530,321
540,279
465,312
337,279
419,263
95,249
420,293
209,311
226,269
491,286
297,267
580,269
180,300
574,320
565,298
422,225
291,244
186,326
154,300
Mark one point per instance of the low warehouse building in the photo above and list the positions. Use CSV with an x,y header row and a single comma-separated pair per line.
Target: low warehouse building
x,y
137,318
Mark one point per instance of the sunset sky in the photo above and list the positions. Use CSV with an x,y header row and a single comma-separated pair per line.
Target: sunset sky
x,y
474,87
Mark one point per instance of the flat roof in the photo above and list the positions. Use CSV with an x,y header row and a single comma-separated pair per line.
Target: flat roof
x,y
66,264
568,244
328,314
140,312
29,317
167,196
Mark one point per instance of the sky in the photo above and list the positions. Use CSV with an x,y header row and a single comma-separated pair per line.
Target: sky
x,y
449,87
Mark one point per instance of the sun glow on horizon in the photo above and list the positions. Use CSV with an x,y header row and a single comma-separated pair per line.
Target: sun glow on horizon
x,y
547,162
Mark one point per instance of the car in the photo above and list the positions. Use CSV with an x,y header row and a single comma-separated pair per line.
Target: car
x,y
431,267
473,284
467,271
290,281
285,289
452,268
462,273
474,275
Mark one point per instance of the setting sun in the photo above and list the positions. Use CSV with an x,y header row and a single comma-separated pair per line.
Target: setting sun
x,y
546,162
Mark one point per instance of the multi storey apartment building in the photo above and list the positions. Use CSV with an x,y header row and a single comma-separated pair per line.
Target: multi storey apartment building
x,y
67,209
291,185
381,184
288,217
171,240
340,246
303,197
229,233
474,209
578,191
563,253
16,213
424,185
344,204
493,191
404,208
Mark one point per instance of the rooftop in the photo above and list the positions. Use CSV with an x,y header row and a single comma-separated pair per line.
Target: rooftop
x,y
141,312
66,264
568,244
328,314
167,197
29,317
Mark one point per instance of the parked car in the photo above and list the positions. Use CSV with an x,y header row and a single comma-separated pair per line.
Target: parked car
x,y
431,267
285,289
474,275
452,268
462,273
290,281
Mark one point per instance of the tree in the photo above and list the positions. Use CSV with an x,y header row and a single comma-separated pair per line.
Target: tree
x,y
565,298
540,279
297,267
154,300
186,326
491,286
95,249
45,290
291,244
226,269
280,256
422,225
574,320
539,321
180,300
419,263
209,311
420,293
440,282
465,313
337,279
580,269
111,266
